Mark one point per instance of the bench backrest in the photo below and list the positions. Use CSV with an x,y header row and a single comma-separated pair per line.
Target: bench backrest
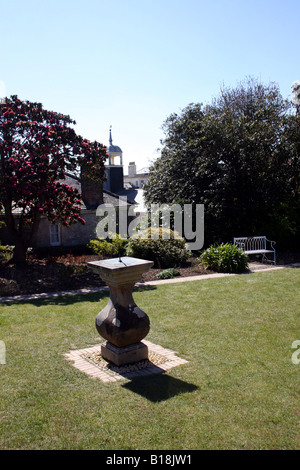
x,y
251,243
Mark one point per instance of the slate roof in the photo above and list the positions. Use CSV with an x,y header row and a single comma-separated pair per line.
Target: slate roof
x,y
108,196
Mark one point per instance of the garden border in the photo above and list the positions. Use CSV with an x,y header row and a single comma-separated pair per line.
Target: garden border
x,y
47,295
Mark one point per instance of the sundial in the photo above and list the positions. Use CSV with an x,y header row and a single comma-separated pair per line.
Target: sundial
x,y
122,323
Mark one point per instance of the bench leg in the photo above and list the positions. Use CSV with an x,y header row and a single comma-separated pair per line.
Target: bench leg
x,y
264,257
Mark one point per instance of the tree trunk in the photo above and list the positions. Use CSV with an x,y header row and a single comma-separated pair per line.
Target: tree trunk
x,y
20,239
19,253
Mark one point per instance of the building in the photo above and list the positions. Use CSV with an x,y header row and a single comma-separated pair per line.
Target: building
x,y
112,192
136,179
114,169
129,186
92,195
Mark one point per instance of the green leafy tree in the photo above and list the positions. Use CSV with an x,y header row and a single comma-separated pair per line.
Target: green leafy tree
x,y
37,148
233,156
296,95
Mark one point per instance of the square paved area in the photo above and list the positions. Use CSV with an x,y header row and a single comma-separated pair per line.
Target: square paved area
x,y
90,362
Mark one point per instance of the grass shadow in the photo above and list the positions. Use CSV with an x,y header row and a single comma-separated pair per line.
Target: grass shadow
x,y
142,288
157,388
61,299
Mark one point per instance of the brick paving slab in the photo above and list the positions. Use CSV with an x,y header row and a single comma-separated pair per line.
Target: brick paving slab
x,y
170,360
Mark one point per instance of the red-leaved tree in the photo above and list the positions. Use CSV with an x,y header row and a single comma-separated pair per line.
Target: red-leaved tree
x,y
37,148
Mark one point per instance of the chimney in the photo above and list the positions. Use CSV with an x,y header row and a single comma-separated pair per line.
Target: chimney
x,y
91,191
132,169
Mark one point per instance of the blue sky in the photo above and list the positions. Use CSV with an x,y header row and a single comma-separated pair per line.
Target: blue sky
x,y
129,64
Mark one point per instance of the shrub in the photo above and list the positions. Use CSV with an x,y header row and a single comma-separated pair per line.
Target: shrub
x,y
168,273
108,249
5,252
224,258
8,286
165,252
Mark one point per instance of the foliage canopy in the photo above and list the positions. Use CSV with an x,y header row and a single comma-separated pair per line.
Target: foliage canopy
x,y
240,157
37,148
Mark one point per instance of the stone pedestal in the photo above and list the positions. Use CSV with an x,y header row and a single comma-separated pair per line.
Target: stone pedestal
x,y
122,323
127,355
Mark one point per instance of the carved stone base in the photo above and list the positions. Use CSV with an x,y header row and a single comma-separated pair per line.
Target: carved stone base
x,y
121,322
126,355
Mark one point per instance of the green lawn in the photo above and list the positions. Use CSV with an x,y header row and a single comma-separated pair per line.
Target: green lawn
x,y
239,390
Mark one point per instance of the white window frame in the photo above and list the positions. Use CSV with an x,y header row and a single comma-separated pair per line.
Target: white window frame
x,y
55,235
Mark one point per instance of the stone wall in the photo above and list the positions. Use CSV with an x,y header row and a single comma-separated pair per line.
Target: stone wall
x,y
76,234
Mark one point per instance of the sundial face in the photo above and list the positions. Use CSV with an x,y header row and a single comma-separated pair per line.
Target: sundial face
x,y
115,264
125,261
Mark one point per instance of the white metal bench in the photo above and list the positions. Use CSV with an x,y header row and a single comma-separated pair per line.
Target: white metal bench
x,y
257,246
